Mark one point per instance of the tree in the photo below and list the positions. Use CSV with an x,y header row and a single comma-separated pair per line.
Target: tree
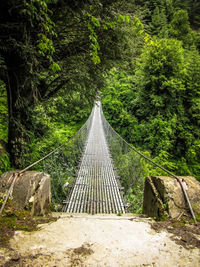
x,y
158,24
193,9
26,48
180,28
157,106
33,37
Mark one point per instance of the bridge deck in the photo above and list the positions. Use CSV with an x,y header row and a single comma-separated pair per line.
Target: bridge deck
x,y
96,189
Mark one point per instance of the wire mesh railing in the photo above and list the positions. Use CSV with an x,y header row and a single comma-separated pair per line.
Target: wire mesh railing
x,y
129,168
132,167
61,164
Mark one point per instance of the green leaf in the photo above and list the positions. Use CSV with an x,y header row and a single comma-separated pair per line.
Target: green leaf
x,y
55,67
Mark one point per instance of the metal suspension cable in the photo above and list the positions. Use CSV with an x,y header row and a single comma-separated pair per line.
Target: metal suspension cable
x,y
53,151
157,165
17,174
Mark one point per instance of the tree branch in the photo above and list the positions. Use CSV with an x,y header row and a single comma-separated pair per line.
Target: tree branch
x,y
53,92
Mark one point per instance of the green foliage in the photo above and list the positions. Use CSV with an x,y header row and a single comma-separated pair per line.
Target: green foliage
x,y
4,163
134,199
193,9
180,28
161,103
54,67
94,40
158,25
198,218
4,156
45,45
122,20
57,119
3,113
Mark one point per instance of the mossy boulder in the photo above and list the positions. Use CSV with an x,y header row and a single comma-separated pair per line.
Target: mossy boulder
x,y
163,196
31,191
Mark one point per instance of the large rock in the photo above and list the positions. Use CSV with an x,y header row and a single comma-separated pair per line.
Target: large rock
x,y
164,196
31,191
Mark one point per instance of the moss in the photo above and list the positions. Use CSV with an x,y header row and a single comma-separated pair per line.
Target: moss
x,y
198,218
196,208
178,224
164,218
12,220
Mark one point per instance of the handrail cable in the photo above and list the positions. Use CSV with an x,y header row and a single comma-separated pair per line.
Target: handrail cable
x,y
159,166
17,174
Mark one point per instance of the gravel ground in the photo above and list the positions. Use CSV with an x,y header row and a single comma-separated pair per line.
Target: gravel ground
x,y
97,240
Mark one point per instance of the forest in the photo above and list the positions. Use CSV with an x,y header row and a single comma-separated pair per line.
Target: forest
x,y
142,57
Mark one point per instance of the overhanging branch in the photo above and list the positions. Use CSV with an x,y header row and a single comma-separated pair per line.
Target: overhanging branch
x,y
48,94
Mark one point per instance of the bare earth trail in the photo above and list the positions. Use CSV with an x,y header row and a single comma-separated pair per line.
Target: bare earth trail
x,y
97,240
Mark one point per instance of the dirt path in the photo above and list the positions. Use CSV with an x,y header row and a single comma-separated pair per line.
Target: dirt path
x,y
86,240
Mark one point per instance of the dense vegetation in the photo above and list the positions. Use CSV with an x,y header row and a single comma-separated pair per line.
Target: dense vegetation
x,y
55,55
153,99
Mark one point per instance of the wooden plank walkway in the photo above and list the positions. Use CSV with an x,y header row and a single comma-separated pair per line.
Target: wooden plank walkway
x,y
96,189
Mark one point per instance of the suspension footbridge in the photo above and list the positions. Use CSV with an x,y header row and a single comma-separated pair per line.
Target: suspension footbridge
x,y
96,189
89,170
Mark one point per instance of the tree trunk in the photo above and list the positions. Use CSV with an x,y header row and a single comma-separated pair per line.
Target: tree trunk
x,y
18,138
19,101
